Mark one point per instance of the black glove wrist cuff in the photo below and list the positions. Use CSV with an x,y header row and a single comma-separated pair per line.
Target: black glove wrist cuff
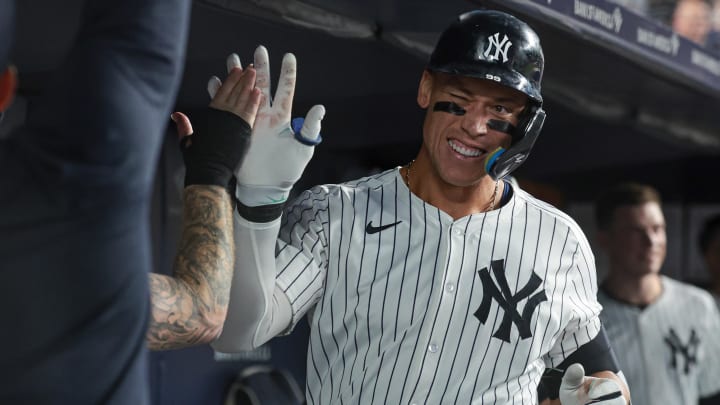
x,y
216,149
262,213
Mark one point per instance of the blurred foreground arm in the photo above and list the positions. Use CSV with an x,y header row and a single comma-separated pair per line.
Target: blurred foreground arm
x,y
189,308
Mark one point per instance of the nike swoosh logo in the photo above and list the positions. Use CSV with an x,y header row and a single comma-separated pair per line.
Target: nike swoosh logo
x,y
370,229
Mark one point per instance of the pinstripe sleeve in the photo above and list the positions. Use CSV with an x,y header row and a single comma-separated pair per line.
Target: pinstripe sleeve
x,y
301,252
581,309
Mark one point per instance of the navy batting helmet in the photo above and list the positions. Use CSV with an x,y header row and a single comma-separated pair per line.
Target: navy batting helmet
x,y
496,46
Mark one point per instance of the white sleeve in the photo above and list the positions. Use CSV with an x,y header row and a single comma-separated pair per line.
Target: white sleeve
x,y
279,273
257,310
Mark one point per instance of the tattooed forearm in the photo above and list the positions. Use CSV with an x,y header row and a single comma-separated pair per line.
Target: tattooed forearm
x,y
190,307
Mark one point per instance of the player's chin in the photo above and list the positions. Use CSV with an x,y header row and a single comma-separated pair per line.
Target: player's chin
x,y
461,178
648,268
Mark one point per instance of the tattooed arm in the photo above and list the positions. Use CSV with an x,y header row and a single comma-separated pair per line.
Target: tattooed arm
x,y
190,308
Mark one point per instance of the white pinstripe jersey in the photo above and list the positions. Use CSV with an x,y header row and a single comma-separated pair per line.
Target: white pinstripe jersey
x,y
669,351
411,314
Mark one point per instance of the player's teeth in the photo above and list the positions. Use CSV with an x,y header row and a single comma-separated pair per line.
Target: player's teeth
x,y
463,150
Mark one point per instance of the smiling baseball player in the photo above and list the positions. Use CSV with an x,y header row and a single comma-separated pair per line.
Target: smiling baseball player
x,y
434,282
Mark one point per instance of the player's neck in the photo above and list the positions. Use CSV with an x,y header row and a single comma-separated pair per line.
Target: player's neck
x,y
640,291
456,201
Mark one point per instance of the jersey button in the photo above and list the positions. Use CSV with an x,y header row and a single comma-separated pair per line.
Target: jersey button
x,y
450,288
432,348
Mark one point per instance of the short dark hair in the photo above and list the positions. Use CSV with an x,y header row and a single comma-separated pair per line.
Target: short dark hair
x,y
620,195
710,231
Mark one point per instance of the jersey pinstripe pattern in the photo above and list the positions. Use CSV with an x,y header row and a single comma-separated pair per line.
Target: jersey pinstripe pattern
x,y
429,310
669,351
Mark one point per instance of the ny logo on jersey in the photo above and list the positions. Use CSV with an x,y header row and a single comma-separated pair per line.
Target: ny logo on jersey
x,y
688,351
508,302
501,47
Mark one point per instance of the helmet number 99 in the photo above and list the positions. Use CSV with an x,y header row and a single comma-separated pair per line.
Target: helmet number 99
x,y
492,77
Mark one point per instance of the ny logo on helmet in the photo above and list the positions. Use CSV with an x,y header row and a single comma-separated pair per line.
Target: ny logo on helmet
x,y
500,47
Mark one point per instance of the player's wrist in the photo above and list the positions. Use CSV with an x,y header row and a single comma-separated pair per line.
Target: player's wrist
x,y
261,203
215,150
260,214
260,195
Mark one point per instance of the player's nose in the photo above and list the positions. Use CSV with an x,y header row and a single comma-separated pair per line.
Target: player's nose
x,y
474,122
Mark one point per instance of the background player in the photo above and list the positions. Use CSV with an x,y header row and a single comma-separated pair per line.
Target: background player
x,y
664,332
428,283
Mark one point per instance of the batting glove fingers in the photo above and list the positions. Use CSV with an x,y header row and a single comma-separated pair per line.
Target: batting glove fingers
x,y
279,151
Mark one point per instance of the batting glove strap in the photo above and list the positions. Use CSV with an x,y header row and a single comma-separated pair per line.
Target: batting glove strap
x,y
215,149
261,213
577,389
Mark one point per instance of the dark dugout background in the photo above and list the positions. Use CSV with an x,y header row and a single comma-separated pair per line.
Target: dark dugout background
x,y
626,100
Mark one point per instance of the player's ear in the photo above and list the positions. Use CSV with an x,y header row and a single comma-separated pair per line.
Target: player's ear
x,y
424,89
8,84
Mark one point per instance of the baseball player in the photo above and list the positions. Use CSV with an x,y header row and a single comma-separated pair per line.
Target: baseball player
x,y
665,332
434,282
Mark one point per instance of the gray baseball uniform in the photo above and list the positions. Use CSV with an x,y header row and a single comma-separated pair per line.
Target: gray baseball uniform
x,y
670,350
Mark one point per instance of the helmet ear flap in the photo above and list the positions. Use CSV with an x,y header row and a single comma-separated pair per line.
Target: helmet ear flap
x,y
502,162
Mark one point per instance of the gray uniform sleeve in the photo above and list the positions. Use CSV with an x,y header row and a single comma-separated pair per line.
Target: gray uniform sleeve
x,y
710,375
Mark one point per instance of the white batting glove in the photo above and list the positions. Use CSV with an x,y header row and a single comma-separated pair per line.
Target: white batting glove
x,y
279,150
577,389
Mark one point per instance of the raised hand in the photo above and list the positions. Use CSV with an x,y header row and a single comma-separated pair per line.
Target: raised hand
x,y
238,94
280,149
216,151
